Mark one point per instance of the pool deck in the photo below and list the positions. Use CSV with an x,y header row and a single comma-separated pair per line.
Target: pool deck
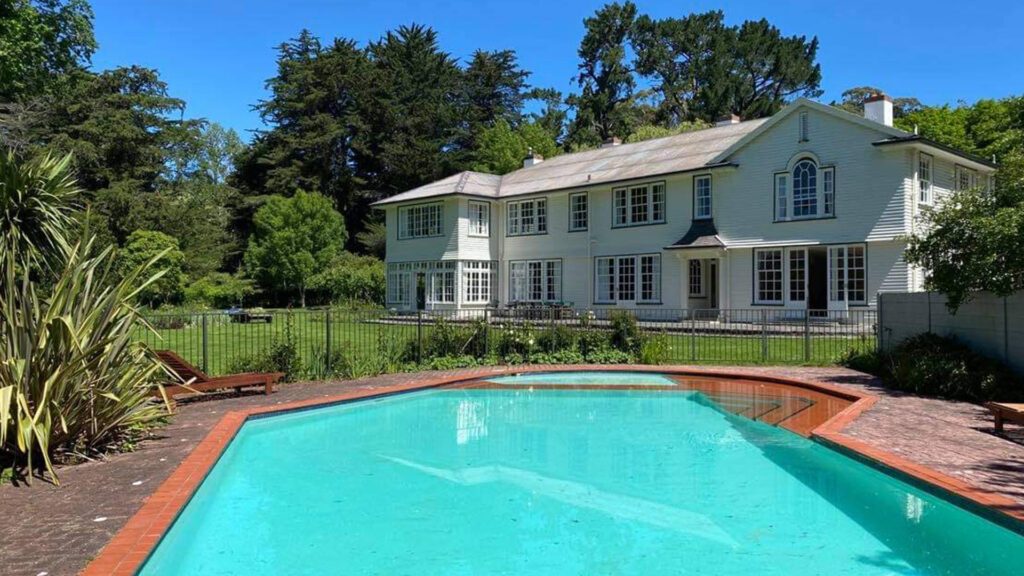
x,y
59,530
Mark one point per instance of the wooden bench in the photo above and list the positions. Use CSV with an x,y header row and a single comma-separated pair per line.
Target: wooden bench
x,y
1006,412
195,380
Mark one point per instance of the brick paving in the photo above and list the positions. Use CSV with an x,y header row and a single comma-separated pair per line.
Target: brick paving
x,y
57,529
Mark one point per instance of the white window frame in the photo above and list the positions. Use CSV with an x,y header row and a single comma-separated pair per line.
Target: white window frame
x,y
479,219
848,274
797,275
398,284
625,279
763,273
702,197
696,278
521,225
583,212
964,178
629,201
804,127
925,175
528,278
824,193
478,279
420,221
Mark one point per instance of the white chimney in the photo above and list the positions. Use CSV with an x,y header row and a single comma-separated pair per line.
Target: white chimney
x,y
609,142
532,158
728,120
878,108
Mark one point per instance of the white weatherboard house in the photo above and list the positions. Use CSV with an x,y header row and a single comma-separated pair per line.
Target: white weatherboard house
x,y
805,210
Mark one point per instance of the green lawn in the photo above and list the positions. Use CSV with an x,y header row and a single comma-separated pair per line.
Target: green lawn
x,y
353,334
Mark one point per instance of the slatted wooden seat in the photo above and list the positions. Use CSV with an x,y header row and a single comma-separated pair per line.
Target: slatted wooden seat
x,y
193,379
1006,412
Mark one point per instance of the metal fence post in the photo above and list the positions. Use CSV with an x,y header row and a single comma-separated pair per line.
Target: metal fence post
x,y
206,347
807,336
419,336
487,332
327,341
693,338
764,335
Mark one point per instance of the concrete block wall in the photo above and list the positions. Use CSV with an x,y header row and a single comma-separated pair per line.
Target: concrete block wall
x,y
990,324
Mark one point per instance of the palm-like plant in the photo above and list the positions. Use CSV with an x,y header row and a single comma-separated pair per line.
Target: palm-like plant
x,y
37,199
73,376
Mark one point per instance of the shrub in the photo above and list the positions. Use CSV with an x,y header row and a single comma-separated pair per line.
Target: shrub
x,y
609,356
219,290
446,339
933,365
453,363
625,333
590,339
556,338
516,341
350,278
557,357
656,349
281,355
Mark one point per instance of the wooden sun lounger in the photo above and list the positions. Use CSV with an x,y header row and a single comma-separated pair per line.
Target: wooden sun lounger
x,y
195,380
1006,412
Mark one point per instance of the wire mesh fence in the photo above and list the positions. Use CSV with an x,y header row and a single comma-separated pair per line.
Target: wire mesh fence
x,y
335,342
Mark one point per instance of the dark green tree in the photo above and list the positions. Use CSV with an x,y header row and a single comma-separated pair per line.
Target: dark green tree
x,y
604,106
493,89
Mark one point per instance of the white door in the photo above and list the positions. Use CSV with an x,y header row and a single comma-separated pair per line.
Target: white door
x,y
626,281
838,298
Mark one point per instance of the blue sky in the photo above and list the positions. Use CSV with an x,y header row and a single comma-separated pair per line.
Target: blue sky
x,y
216,54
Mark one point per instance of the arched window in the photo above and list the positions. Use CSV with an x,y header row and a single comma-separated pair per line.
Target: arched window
x,y
805,189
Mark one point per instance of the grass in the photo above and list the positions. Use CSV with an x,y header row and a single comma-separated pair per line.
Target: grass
x,y
226,341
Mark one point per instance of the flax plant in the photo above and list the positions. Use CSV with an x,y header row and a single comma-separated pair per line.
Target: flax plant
x,y
72,376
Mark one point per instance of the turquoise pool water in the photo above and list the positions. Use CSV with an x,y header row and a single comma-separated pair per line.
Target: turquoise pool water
x,y
555,482
587,378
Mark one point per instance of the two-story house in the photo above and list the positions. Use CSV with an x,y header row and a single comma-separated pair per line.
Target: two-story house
x,y
805,210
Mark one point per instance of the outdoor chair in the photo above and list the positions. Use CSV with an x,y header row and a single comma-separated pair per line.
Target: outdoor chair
x,y
1003,412
195,380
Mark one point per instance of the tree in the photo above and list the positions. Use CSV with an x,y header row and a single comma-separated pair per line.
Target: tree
x,y
649,131
493,89
41,43
553,115
603,107
502,147
853,102
144,246
292,239
688,58
766,70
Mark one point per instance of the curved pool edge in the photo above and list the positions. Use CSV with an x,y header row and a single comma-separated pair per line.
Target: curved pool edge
x,y
130,547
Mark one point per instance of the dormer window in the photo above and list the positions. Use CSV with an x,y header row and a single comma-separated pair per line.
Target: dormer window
x,y
805,191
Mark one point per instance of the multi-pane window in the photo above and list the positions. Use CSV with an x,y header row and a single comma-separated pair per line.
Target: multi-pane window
x,y
696,278
398,287
640,204
578,212
807,191
965,178
535,281
847,275
478,280
442,286
628,278
479,219
419,221
702,197
768,276
797,275
924,179
528,217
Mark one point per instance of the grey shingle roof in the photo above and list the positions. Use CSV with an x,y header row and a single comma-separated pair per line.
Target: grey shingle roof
x,y
702,234
660,156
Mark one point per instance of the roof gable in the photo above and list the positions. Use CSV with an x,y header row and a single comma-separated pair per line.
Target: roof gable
x,y
799,103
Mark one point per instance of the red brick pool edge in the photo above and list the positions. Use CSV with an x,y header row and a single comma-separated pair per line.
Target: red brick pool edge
x,y
130,547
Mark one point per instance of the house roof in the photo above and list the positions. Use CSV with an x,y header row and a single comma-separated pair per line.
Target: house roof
x,y
702,234
929,143
657,157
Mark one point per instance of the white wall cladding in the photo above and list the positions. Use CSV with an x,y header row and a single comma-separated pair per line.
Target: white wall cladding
x,y
443,247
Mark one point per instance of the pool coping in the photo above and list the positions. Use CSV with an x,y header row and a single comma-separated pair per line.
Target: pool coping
x,y
128,550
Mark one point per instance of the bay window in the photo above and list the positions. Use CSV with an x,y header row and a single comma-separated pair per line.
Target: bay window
x,y
419,221
478,279
639,204
479,219
627,279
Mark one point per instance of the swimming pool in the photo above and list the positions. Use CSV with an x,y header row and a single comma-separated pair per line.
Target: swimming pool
x,y
497,480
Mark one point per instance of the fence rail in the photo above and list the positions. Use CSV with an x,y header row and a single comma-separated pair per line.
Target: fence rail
x,y
321,343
